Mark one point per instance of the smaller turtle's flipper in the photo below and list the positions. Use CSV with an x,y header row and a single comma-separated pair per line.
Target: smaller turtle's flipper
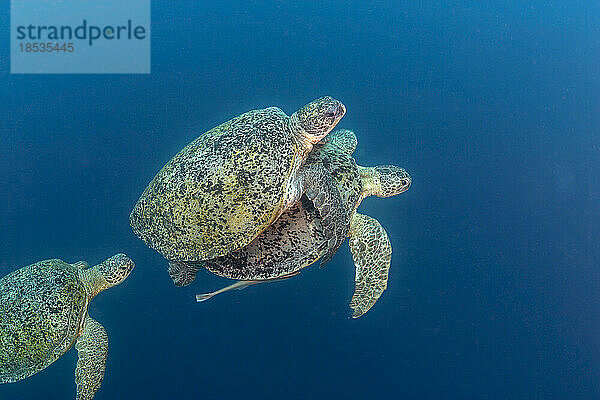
x,y
372,255
92,349
319,187
345,139
182,273
239,285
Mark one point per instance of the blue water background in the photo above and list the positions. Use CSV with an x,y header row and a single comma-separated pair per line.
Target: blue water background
x,y
494,290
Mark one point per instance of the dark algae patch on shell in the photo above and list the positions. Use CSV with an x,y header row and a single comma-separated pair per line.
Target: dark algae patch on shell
x,y
220,190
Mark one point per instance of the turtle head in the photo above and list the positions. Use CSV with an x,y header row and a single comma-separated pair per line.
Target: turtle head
x,y
384,180
116,269
316,119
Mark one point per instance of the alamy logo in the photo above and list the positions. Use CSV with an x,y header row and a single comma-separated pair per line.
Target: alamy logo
x,y
74,36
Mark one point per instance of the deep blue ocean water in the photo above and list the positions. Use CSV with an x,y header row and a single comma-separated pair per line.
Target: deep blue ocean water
x,y
494,290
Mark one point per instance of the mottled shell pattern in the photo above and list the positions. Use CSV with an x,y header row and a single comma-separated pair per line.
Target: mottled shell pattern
x,y
45,304
296,239
231,183
219,190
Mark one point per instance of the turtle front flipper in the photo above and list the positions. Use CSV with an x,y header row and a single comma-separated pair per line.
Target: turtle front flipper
x,y
182,273
319,187
372,254
92,349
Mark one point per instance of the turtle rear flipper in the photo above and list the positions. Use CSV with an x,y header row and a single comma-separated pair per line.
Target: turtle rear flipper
x,y
182,273
319,187
372,255
92,349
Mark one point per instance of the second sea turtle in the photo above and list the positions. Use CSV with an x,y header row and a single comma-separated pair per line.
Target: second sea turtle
x,y
44,312
298,238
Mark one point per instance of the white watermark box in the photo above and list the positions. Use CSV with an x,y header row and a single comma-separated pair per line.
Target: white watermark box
x,y
80,36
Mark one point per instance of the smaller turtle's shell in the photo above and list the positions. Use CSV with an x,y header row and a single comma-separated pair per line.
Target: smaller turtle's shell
x,y
41,310
296,239
289,244
221,190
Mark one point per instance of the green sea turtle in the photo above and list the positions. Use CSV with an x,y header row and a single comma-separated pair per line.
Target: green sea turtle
x,y
297,239
224,188
43,312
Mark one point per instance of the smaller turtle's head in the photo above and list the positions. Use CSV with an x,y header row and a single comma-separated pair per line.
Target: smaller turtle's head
x,y
318,118
116,269
384,180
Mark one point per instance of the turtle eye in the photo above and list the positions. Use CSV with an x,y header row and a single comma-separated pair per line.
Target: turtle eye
x,y
331,112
